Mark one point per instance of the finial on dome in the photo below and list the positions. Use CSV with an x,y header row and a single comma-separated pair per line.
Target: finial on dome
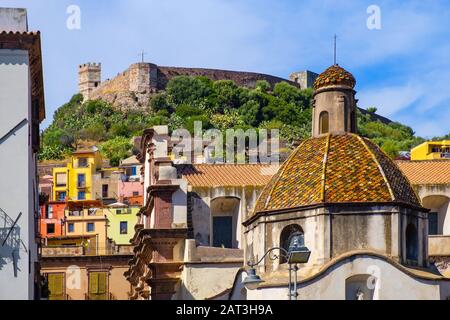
x,y
335,37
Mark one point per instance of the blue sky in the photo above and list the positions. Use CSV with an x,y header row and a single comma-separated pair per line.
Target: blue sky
x,y
403,69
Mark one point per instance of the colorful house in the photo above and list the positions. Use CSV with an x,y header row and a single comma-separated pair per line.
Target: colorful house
x,y
85,226
130,187
431,150
51,220
75,181
121,222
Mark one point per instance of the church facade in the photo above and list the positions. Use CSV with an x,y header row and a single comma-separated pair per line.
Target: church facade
x,y
337,194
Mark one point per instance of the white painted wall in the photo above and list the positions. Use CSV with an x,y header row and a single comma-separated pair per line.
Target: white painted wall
x,y
18,186
391,283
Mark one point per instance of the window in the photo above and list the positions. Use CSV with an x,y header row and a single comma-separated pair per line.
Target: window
x,y
222,232
81,195
98,286
50,228
287,238
82,162
119,211
90,227
133,171
412,242
61,179
123,227
353,121
71,228
356,287
56,286
50,212
81,183
135,193
324,122
61,195
433,223
105,191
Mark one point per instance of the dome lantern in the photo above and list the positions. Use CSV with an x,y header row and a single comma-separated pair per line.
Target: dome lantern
x,y
334,104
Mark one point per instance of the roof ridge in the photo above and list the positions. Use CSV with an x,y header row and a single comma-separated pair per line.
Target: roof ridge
x,y
380,168
324,168
419,201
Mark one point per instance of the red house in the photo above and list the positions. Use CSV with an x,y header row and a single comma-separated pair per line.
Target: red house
x,y
52,219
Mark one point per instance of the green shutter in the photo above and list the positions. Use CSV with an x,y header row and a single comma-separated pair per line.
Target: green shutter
x,y
102,282
93,282
56,284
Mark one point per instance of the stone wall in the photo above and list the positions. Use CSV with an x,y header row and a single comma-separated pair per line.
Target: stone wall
x,y
133,88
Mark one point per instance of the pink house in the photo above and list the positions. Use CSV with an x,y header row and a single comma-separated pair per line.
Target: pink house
x,y
131,189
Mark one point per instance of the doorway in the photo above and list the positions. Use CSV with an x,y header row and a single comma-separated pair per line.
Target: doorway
x,y
222,232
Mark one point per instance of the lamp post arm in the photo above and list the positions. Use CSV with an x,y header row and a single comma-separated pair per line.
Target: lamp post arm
x,y
283,253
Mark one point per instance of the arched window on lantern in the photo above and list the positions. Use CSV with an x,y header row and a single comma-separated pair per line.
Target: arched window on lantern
x,y
288,235
324,122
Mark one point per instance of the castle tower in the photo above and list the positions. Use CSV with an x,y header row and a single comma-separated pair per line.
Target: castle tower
x,y
334,103
89,78
305,79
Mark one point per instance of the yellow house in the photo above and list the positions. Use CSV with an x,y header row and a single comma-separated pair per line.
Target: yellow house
x,y
75,181
431,150
121,222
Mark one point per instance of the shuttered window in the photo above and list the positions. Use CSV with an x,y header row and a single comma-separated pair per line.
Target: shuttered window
x,y
61,179
56,286
98,285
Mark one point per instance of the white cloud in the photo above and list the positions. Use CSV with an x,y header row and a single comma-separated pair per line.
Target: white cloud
x,y
389,100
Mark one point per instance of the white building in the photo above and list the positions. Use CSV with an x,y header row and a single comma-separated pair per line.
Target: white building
x,y
21,111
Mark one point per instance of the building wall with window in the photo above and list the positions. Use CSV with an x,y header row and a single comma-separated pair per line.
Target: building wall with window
x,y
75,181
51,219
86,277
105,184
431,150
431,180
21,111
121,222
130,191
87,224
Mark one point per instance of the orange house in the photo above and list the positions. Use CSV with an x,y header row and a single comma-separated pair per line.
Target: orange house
x,y
52,219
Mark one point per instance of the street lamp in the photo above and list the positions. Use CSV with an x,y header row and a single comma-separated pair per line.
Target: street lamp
x,y
297,253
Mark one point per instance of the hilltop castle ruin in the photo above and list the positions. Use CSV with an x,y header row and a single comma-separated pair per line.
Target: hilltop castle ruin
x,y
133,88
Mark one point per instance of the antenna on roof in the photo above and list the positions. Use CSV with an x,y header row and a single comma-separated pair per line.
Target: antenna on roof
x,y
335,37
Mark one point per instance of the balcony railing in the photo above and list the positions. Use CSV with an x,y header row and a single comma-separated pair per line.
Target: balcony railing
x,y
93,250
62,251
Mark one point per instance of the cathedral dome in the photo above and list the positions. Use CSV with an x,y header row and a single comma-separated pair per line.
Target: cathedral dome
x,y
334,75
333,169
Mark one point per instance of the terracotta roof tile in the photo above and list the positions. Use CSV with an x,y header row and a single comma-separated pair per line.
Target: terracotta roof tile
x,y
227,175
334,75
336,169
427,171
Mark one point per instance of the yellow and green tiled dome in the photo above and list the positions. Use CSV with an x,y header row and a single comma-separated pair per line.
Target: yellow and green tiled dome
x,y
334,75
342,168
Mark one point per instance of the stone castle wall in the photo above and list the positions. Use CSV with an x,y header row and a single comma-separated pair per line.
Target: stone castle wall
x,y
133,88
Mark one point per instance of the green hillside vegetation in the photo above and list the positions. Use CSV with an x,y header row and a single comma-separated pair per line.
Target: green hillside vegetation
x,y
218,104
